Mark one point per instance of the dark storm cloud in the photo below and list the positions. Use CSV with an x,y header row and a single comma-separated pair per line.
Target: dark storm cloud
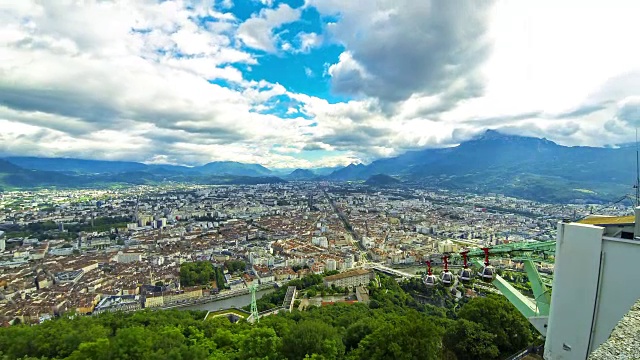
x,y
582,111
566,129
59,102
616,127
629,111
358,135
313,147
499,120
560,131
426,47
88,111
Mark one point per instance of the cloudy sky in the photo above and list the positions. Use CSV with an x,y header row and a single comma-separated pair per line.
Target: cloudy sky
x,y
310,83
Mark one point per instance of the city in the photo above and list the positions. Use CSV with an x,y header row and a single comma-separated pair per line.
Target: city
x,y
319,180
67,250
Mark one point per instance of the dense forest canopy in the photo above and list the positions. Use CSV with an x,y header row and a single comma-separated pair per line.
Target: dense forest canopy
x,y
201,273
392,326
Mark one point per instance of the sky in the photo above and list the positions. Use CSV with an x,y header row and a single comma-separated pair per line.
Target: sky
x,y
310,83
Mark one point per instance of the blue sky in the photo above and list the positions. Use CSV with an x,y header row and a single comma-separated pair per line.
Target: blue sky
x,y
310,83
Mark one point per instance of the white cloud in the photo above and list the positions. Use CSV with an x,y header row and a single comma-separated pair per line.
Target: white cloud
x,y
308,72
70,88
396,48
258,31
140,95
308,41
226,4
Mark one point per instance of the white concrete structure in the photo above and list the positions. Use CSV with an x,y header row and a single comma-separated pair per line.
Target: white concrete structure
x,y
349,279
320,241
595,284
330,265
126,258
447,246
367,242
349,261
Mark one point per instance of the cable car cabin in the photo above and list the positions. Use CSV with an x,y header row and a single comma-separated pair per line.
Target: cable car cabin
x,y
488,273
430,280
465,275
447,278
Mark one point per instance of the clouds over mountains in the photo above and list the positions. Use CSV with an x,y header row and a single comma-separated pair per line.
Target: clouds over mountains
x,y
174,82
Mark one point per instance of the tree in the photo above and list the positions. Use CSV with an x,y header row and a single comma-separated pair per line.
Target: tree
x,y
409,337
260,343
97,350
500,318
469,341
312,337
235,266
133,343
357,331
198,273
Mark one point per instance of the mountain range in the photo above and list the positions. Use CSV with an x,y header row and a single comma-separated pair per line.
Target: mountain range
x,y
525,167
493,162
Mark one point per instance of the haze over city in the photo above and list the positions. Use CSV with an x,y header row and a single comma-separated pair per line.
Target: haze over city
x,y
304,84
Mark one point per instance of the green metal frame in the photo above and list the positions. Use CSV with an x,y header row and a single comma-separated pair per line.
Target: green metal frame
x,y
254,306
535,310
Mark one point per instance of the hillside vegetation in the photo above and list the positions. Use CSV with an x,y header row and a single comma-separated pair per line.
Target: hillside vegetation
x,y
393,326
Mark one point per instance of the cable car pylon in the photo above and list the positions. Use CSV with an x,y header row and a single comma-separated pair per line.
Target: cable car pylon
x,y
535,309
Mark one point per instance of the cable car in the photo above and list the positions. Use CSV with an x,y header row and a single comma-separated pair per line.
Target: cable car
x,y
429,279
446,277
465,273
488,272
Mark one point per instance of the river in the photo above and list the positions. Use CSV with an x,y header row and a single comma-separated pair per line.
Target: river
x,y
238,302
411,269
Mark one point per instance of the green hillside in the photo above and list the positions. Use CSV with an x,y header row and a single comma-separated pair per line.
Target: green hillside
x,y
393,326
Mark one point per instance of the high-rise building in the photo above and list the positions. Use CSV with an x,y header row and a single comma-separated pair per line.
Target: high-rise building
x,y
330,265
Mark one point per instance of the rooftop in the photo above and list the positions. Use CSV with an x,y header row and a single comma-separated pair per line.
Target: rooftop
x,y
347,274
609,220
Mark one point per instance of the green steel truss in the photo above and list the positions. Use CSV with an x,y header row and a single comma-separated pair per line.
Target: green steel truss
x,y
536,310
254,306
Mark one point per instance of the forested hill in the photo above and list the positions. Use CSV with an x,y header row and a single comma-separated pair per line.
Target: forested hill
x,y
392,326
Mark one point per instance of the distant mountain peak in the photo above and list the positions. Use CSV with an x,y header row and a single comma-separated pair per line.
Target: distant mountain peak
x,y
301,174
353,165
492,135
381,180
302,171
